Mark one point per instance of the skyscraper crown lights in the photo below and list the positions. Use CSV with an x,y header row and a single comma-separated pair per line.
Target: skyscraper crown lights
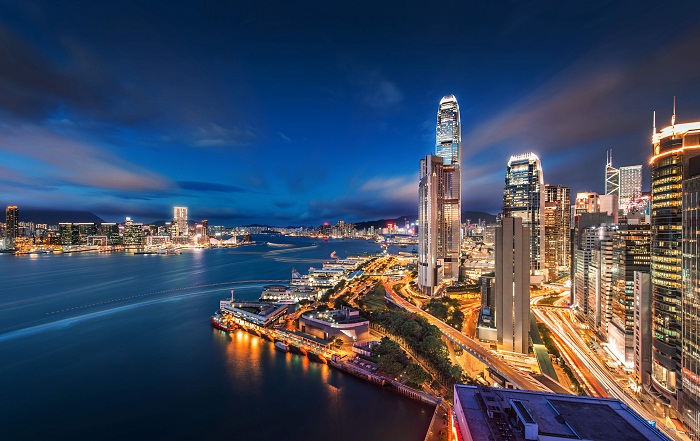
x,y
529,156
448,132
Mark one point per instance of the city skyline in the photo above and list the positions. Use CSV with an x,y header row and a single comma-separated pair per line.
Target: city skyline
x,y
123,117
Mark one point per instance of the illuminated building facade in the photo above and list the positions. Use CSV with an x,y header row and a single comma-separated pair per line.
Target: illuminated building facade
x,y
557,223
630,187
524,197
587,202
598,242
180,227
630,253
440,202
448,146
133,233
673,149
12,222
690,402
430,197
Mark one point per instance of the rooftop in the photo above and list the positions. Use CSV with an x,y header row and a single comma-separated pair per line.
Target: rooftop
x,y
339,316
518,415
257,308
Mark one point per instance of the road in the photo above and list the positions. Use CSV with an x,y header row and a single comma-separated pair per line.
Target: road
x,y
602,379
518,378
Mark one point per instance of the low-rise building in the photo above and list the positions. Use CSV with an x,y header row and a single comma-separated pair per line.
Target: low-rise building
x,y
257,313
483,413
345,323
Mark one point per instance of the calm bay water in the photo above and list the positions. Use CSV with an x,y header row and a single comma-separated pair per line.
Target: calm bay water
x,y
119,346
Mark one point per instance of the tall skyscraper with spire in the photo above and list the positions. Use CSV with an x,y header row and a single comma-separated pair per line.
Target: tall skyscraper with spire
x,y
440,201
612,176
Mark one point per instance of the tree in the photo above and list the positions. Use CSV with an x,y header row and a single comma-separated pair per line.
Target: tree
x,y
456,320
434,347
411,330
437,309
416,374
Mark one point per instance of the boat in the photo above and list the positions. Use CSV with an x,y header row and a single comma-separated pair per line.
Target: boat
x,y
295,349
281,346
313,356
218,322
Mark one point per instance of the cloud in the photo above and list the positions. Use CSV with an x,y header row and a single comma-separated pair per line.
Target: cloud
x,y
376,198
284,204
373,88
210,186
600,102
600,97
215,135
67,161
33,85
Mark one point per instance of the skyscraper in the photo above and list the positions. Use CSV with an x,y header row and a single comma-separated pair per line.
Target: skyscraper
x,y
513,285
430,196
691,304
440,202
180,226
630,187
630,254
523,197
673,149
556,229
448,145
612,176
12,222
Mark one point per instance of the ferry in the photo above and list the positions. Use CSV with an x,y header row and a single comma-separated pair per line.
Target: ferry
x,y
281,346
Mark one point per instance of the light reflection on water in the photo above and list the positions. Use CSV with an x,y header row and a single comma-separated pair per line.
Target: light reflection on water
x,y
150,366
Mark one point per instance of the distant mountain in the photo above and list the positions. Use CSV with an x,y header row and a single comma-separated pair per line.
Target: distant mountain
x,y
473,216
55,217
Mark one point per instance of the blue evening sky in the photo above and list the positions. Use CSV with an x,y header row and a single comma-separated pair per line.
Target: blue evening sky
x,y
297,113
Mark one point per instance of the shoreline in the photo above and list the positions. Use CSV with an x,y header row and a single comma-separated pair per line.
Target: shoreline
x,y
356,371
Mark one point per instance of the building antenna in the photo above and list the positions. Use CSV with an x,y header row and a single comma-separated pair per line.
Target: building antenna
x,y
673,118
653,127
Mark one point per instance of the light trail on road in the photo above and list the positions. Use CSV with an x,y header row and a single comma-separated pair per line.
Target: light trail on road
x,y
518,378
557,322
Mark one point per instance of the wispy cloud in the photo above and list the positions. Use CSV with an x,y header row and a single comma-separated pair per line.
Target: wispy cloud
x,y
215,135
374,89
284,137
210,186
75,162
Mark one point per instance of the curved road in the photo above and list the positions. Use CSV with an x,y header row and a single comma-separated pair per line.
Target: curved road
x,y
518,378
566,332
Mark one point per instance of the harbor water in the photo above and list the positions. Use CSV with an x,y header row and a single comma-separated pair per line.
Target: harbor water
x,y
119,346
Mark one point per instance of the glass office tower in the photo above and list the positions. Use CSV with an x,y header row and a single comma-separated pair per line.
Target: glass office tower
x,y
524,197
